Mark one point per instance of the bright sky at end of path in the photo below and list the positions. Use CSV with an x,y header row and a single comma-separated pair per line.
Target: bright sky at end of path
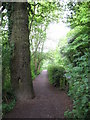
x,y
55,31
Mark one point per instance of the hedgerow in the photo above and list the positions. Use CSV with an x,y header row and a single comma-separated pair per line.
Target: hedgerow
x,y
56,76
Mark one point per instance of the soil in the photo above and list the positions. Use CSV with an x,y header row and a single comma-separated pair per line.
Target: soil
x,y
50,102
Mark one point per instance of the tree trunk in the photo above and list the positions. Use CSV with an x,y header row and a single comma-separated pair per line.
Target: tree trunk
x,y
20,60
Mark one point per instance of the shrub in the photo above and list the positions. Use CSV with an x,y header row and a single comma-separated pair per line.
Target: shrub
x,y
8,97
56,75
6,107
78,87
76,59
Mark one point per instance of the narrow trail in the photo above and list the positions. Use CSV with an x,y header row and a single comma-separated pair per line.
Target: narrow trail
x,y
49,102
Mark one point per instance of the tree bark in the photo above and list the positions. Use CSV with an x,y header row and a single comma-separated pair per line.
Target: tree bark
x,y
20,60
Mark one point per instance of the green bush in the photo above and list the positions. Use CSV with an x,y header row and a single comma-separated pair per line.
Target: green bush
x,y
6,107
76,59
78,87
7,91
8,97
56,75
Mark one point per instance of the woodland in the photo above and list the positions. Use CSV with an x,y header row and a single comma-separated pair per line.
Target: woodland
x,y
23,33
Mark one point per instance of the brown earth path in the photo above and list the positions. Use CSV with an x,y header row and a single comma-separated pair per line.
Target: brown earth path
x,y
49,102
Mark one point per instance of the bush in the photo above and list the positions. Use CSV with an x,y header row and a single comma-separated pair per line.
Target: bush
x,y
8,107
8,97
78,87
76,59
56,75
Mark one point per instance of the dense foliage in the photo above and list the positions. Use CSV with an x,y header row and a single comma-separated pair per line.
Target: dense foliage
x,y
41,13
74,56
70,58
56,76
7,91
76,60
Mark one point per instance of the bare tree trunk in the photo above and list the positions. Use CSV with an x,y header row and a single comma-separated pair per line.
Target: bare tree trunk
x,y
20,61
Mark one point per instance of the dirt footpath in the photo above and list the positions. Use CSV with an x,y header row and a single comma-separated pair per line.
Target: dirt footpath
x,y
49,102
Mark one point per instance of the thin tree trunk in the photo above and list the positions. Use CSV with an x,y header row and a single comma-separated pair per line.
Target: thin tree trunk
x,y
20,61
